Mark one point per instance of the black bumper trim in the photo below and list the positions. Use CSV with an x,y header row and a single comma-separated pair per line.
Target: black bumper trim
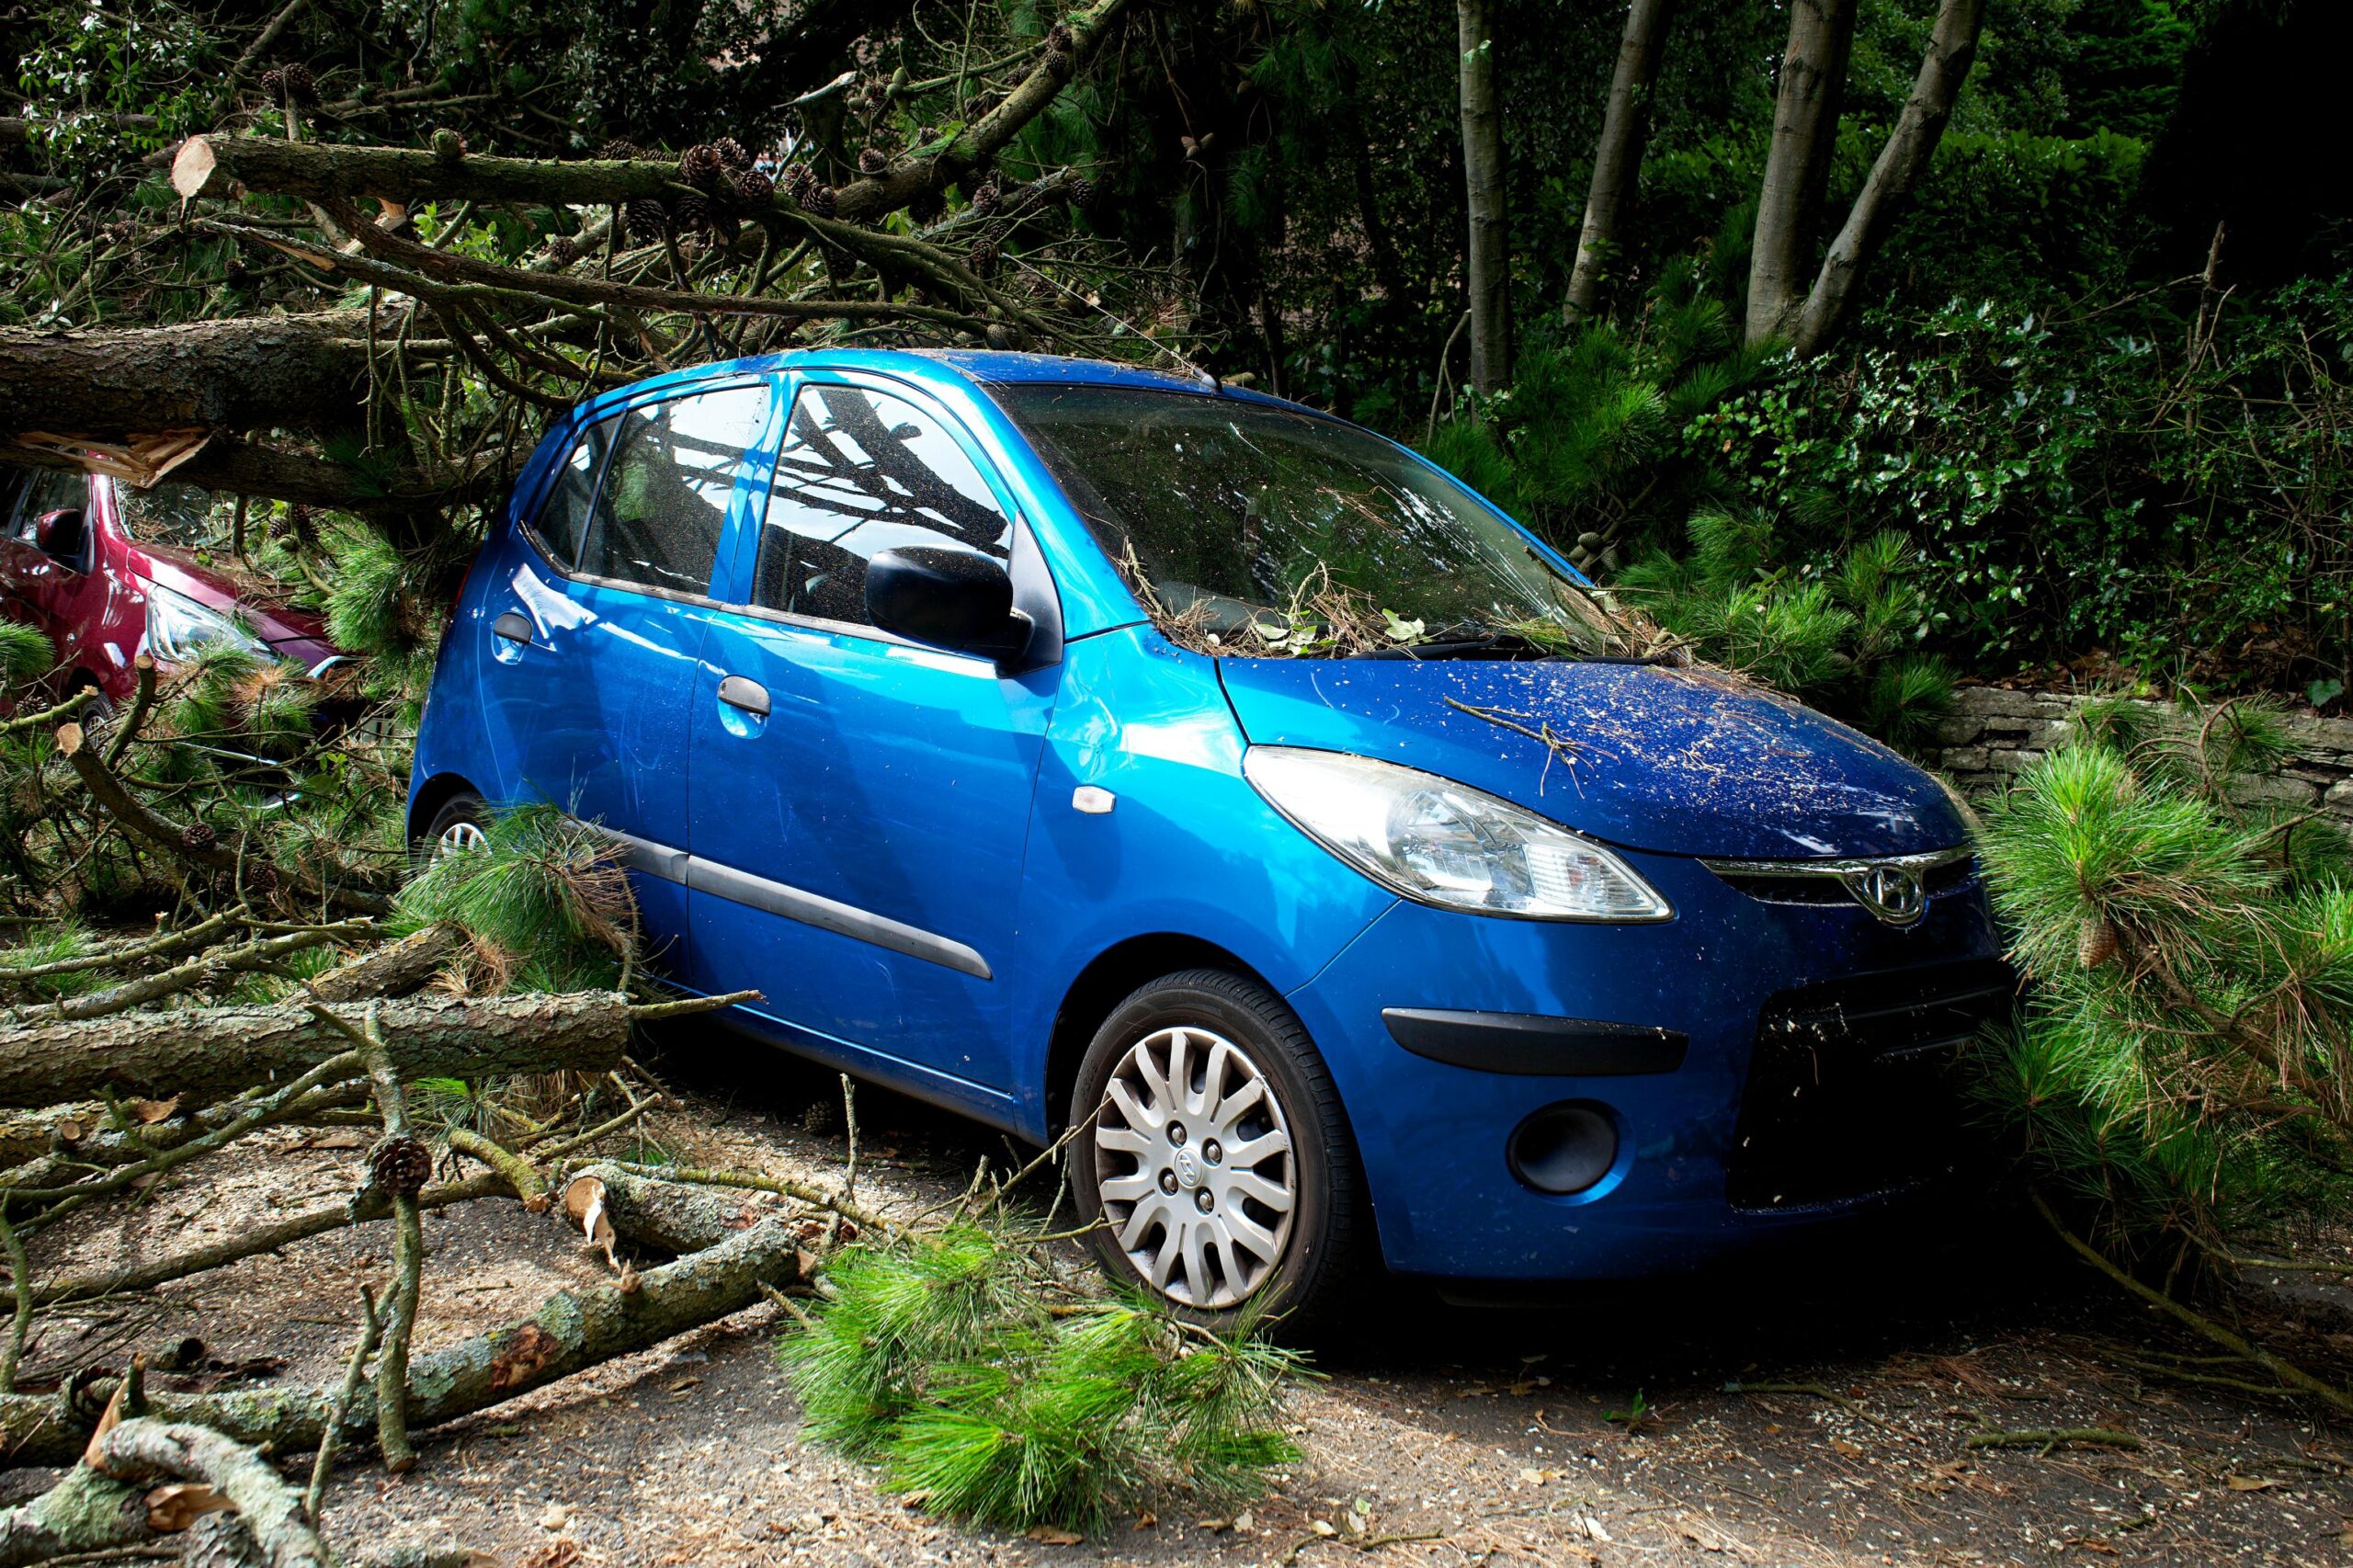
x,y
1534,1045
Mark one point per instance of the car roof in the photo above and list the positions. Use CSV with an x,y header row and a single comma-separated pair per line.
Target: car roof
x,y
979,366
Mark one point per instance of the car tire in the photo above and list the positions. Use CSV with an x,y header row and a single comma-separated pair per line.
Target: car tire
x,y
1131,1175
458,825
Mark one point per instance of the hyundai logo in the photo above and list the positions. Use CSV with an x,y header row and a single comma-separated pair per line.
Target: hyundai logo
x,y
1891,892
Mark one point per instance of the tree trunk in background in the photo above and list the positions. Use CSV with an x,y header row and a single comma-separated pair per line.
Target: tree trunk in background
x,y
1617,159
1487,260
1806,134
1952,48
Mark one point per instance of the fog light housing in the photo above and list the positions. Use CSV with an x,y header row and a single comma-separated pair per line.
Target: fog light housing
x,y
1563,1148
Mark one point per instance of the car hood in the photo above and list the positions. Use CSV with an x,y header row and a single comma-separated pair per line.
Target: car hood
x,y
272,615
1678,761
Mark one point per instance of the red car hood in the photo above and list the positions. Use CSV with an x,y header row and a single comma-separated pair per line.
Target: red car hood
x,y
262,604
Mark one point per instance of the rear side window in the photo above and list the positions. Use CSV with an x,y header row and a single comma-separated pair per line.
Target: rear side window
x,y
863,471
564,518
664,497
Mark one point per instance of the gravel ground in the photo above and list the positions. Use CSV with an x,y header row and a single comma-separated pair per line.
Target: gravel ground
x,y
1594,1429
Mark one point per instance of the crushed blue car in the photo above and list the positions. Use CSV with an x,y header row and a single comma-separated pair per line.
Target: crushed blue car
x,y
1081,747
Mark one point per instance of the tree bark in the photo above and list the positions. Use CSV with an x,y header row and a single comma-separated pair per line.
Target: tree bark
x,y
396,969
570,1333
86,1511
296,373
1618,158
1952,49
145,1449
43,1061
1797,166
1487,255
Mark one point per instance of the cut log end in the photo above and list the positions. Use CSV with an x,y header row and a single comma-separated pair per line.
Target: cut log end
x,y
69,739
192,167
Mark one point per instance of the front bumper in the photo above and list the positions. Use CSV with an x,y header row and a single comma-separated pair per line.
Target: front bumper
x,y
1773,1117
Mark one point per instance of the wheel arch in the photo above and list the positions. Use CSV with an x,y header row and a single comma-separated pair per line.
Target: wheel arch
x,y
1109,979
427,798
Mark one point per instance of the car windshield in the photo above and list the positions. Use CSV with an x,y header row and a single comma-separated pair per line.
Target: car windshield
x,y
1250,528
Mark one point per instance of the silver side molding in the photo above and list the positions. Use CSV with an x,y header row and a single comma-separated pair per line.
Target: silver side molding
x,y
797,904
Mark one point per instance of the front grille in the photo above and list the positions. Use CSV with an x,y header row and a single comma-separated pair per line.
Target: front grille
x,y
1783,887
1846,1090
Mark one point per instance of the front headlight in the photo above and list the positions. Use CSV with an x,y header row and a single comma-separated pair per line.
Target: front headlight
x,y
1447,844
178,628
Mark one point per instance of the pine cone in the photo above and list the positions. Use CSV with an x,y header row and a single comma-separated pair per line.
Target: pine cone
x,y
988,197
731,154
693,212
874,161
820,200
753,190
822,1119
261,880
798,181
618,149
304,523
1082,193
1062,61
563,250
1060,39
273,85
297,83
701,165
984,256
645,219
448,145
400,1165
2097,942
199,837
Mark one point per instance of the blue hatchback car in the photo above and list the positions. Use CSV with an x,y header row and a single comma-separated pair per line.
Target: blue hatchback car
x,y
1080,747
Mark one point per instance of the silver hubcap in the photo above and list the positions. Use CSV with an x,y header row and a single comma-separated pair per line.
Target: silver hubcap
x,y
458,838
1193,1163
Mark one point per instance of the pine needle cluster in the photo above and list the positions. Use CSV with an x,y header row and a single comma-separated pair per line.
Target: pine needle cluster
x,y
544,900
2182,1063
1841,636
944,1363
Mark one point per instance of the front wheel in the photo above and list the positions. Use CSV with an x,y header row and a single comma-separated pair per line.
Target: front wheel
x,y
1214,1163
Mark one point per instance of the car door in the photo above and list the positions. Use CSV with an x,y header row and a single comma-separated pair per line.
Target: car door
x,y
861,803
593,634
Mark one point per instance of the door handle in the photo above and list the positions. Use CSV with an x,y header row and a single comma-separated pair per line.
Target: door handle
x,y
514,625
738,691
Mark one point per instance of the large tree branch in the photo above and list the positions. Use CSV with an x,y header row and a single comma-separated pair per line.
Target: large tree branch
x,y
1952,46
46,1061
296,373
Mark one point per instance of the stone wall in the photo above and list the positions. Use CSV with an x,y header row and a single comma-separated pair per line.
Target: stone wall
x,y
1995,733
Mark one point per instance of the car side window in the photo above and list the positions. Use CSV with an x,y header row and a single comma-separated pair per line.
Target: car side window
x,y
46,491
863,471
563,522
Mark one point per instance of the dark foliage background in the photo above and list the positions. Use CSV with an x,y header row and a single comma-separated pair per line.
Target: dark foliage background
x,y
2095,378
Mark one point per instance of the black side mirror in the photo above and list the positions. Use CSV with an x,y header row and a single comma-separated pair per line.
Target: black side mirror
x,y
60,535
949,598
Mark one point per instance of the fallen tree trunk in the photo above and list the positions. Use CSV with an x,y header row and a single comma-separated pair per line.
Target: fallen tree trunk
x,y
160,1055
570,1333
304,372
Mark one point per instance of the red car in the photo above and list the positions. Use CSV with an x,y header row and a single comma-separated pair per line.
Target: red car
x,y
69,565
